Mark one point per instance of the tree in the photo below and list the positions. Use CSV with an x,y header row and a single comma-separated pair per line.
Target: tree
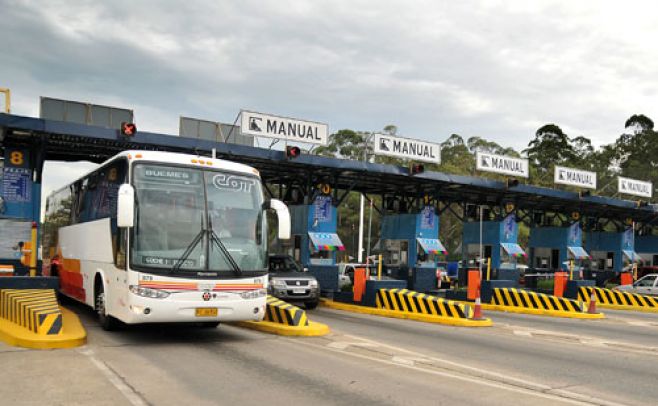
x,y
637,151
348,144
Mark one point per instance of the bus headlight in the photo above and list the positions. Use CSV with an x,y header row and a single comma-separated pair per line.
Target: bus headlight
x,y
253,294
148,292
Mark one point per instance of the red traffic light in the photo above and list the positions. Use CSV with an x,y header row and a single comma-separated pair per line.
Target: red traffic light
x,y
293,152
415,169
128,129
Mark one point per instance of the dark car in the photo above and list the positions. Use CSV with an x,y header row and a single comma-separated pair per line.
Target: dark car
x,y
289,282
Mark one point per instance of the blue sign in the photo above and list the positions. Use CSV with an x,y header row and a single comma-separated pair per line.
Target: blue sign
x,y
322,209
628,240
575,235
509,229
17,185
427,218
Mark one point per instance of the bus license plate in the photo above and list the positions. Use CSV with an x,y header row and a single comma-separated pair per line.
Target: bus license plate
x,y
206,312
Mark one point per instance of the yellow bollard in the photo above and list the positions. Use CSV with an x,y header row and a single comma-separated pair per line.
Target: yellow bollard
x,y
571,270
379,268
488,269
33,254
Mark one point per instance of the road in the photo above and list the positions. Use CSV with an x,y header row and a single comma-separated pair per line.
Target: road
x,y
367,360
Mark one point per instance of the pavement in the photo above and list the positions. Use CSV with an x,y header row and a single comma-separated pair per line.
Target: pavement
x,y
365,360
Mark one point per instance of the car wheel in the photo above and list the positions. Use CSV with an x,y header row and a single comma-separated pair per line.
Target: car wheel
x,y
106,321
311,305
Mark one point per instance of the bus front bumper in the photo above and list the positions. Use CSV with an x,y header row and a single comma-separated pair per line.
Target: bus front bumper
x,y
182,309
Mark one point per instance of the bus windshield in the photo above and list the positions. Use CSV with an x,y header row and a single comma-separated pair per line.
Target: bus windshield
x,y
174,208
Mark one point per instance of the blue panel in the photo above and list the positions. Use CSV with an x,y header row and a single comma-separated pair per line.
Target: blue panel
x,y
17,189
646,243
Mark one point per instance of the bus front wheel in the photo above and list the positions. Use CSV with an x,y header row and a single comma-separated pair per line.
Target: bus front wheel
x,y
106,321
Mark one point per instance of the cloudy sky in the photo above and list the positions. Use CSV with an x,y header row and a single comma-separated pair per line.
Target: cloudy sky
x,y
495,69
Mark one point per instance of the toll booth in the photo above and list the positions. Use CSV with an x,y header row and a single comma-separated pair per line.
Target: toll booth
x,y
314,240
412,248
499,242
647,248
551,248
20,203
612,251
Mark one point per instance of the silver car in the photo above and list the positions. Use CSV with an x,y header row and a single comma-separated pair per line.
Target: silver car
x,y
289,282
646,285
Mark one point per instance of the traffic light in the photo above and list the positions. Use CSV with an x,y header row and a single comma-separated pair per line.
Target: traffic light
x,y
128,129
415,169
512,182
293,152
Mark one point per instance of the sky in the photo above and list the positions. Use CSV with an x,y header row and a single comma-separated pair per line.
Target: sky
x,y
493,69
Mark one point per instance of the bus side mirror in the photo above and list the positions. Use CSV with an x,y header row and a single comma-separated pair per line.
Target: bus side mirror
x,y
282,214
126,206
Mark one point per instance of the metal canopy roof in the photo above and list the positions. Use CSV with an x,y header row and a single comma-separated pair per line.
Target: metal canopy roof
x,y
72,142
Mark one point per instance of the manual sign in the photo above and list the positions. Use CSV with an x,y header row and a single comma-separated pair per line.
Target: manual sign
x,y
506,165
575,177
634,187
406,148
290,129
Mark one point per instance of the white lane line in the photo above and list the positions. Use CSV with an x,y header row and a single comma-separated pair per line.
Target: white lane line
x,y
477,375
559,396
130,394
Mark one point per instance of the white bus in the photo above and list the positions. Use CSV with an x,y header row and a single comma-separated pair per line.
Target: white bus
x,y
163,237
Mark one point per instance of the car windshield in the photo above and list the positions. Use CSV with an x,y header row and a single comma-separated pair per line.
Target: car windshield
x,y
278,265
177,206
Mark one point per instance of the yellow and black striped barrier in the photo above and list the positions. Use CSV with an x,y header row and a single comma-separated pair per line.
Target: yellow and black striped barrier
x,y
408,304
278,311
524,301
285,319
410,301
620,300
34,309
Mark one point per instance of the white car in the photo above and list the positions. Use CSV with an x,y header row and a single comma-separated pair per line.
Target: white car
x,y
646,285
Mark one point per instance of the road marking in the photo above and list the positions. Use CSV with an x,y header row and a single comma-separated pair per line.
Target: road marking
x,y
133,397
411,360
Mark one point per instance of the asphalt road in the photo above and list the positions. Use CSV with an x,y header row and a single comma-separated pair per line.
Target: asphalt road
x,y
367,360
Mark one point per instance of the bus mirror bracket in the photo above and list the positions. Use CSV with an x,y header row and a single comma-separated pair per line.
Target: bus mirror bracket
x,y
126,206
282,214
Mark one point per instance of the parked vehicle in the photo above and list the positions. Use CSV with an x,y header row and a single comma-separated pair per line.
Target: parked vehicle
x,y
647,285
288,281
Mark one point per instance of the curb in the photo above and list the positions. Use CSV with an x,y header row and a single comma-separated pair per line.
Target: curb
x,y
71,335
313,329
451,321
627,308
543,312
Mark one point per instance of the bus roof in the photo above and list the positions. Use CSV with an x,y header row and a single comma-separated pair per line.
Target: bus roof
x,y
172,158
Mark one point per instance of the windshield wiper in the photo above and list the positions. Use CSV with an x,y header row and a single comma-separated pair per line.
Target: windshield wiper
x,y
190,248
215,238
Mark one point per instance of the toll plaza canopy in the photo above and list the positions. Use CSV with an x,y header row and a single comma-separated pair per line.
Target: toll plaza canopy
x,y
64,141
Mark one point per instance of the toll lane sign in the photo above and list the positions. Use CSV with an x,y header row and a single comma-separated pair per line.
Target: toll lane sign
x,y
506,165
634,187
406,148
575,177
290,129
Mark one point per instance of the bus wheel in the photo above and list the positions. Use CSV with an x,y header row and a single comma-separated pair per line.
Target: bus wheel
x,y
106,321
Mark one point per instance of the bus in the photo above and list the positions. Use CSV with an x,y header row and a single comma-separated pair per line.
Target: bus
x,y
163,237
